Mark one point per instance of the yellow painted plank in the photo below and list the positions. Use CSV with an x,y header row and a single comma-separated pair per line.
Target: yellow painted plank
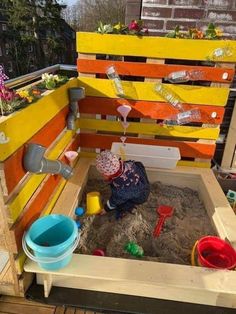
x,y
17,205
150,128
22,125
20,260
197,164
152,47
53,201
201,95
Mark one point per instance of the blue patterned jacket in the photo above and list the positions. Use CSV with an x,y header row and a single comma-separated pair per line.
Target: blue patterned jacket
x,y
129,189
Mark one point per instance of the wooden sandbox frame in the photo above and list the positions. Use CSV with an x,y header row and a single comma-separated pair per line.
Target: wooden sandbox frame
x,y
144,278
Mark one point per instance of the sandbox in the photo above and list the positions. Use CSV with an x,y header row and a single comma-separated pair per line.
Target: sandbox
x,y
147,278
188,223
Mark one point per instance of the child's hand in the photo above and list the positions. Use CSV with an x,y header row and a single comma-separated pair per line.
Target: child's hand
x,y
102,212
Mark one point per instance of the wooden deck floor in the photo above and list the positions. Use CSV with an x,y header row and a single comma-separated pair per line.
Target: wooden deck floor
x,y
15,305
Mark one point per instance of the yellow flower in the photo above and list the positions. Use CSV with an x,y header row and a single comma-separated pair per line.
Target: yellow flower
x,y
118,26
29,99
219,32
23,93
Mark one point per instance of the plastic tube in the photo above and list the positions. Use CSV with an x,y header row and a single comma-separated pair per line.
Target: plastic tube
x,y
36,163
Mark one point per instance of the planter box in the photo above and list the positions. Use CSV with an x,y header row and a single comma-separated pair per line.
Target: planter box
x,y
144,278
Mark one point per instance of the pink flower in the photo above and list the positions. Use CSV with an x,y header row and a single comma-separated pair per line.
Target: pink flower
x,y
134,26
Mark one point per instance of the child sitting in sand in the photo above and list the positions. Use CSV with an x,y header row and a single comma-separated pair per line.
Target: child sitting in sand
x,y
128,181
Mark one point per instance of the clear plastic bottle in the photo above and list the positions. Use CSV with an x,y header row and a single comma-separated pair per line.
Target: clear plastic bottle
x,y
185,117
184,76
114,77
220,53
169,96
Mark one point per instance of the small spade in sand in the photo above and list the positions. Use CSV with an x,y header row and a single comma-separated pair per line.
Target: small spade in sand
x,y
164,212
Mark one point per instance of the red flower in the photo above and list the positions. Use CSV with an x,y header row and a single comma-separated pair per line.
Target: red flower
x,y
134,26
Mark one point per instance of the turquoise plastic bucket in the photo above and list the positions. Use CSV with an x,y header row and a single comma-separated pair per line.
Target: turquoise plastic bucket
x,y
52,239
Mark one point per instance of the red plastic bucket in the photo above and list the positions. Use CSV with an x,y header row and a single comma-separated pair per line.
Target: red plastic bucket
x,y
214,252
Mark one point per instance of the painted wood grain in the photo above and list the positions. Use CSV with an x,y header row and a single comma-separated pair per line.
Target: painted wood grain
x,y
145,91
152,47
151,70
146,109
187,149
44,137
150,128
32,118
16,205
39,200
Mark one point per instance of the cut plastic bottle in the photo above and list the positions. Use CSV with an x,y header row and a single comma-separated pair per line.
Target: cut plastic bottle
x,y
220,53
186,117
184,76
114,77
169,96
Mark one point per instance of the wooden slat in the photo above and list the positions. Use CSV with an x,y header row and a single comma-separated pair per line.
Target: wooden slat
x,y
70,310
196,164
152,70
145,109
145,91
152,47
15,308
44,137
69,198
21,257
87,57
18,203
37,203
228,160
152,129
143,278
30,120
60,310
23,301
187,149
148,79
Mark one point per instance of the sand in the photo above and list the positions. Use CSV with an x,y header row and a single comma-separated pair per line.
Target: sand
x,y
188,223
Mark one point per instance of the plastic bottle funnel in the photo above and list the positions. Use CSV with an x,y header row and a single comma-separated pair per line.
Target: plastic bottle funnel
x,y
93,202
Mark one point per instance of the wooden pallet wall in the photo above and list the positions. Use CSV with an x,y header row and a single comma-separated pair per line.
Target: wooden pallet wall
x,y
27,196
195,141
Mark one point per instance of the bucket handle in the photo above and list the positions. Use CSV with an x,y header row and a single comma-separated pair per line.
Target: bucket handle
x,y
193,254
48,260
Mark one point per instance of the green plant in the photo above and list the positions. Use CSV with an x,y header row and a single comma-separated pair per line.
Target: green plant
x,y
135,27
212,32
9,101
50,81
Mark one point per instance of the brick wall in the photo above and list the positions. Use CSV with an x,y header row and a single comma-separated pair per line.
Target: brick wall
x,y
161,16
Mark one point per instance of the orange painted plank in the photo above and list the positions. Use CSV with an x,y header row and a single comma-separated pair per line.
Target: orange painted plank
x,y
145,109
38,202
187,149
152,70
13,167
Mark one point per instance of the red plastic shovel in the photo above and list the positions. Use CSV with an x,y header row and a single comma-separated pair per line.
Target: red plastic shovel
x,y
164,212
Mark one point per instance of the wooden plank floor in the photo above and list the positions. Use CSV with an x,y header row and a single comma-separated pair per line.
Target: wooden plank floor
x,y
17,305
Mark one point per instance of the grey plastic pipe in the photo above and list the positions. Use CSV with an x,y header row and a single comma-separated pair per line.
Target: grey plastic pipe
x,y
36,163
75,94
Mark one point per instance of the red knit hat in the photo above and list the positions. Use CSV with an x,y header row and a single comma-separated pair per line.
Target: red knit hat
x,y
108,163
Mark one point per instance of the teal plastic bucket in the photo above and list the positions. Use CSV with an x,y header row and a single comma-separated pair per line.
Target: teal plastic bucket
x,y
52,239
